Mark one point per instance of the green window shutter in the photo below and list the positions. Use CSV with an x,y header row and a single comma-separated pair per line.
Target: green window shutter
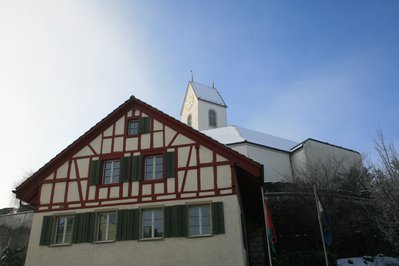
x,y
89,222
47,227
170,164
83,228
144,125
137,168
121,226
127,225
217,218
175,221
126,162
134,218
95,172
75,230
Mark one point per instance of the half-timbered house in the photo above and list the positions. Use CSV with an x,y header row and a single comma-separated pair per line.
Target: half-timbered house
x,y
141,188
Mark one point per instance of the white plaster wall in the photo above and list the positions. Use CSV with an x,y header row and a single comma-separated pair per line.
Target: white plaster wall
x,y
203,115
241,148
277,165
316,151
298,159
224,249
193,111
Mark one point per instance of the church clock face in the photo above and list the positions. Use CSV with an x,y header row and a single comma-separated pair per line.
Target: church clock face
x,y
189,102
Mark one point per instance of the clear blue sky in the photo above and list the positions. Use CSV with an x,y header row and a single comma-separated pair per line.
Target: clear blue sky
x,y
296,69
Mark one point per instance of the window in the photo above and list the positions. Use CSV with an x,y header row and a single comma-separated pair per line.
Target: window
x,y
111,171
63,230
212,118
152,223
153,167
133,127
200,220
189,120
106,226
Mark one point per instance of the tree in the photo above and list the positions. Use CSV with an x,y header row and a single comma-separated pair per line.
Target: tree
x,y
385,193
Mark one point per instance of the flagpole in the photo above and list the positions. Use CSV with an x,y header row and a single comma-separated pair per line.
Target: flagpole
x,y
267,235
321,228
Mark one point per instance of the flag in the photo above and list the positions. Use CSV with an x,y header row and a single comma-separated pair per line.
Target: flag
x,y
325,221
270,230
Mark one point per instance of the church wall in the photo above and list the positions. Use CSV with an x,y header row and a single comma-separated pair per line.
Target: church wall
x,y
203,115
298,160
317,151
222,249
190,109
277,166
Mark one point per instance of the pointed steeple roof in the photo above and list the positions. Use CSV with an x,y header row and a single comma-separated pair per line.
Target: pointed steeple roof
x,y
206,93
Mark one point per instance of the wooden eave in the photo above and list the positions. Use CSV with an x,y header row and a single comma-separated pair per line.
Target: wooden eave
x,y
28,190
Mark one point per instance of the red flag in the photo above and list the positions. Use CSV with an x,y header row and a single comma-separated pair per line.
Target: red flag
x,y
270,230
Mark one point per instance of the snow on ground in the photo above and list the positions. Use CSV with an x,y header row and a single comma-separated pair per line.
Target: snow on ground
x,y
379,260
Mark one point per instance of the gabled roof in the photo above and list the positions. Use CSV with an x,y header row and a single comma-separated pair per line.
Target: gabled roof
x,y
233,135
28,191
300,145
206,93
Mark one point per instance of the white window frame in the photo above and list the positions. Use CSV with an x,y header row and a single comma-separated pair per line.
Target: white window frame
x,y
64,230
112,175
153,167
107,226
137,127
200,220
152,223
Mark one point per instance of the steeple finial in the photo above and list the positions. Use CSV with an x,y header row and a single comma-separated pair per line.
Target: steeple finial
x,y
213,84
192,76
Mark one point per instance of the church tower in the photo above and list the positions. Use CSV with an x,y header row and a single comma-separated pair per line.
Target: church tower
x,y
203,107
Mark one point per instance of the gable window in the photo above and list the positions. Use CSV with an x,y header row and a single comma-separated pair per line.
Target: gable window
x,y
106,226
111,171
152,223
63,230
199,220
153,167
133,127
189,120
212,118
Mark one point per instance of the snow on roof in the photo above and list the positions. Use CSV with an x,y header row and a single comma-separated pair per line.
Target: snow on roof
x,y
233,134
206,93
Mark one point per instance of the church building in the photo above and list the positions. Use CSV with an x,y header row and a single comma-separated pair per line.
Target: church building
x,y
205,110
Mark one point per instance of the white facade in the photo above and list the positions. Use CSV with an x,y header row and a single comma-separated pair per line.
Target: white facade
x,y
198,102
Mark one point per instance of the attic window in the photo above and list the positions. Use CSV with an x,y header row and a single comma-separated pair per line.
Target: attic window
x,y
212,118
137,126
133,127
